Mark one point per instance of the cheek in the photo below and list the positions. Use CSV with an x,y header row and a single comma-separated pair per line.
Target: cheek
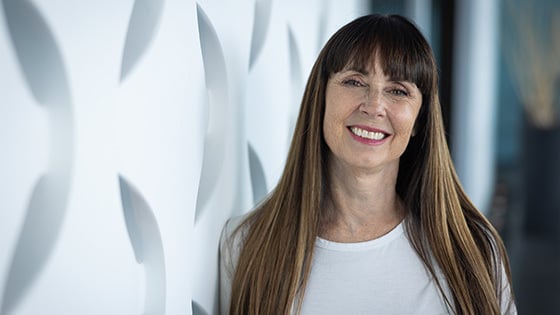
x,y
332,118
406,123
329,128
405,132
333,127
408,118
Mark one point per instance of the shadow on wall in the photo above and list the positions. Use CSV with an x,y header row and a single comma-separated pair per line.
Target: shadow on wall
x,y
45,75
218,99
145,237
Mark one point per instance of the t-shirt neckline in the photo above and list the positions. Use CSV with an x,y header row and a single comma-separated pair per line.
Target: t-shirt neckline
x,y
360,246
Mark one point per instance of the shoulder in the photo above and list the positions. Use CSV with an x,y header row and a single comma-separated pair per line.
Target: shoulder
x,y
231,241
234,230
231,225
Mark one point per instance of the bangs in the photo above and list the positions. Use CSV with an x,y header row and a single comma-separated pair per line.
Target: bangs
x,y
402,51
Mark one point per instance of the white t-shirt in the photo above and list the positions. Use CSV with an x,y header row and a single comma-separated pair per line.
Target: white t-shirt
x,y
381,276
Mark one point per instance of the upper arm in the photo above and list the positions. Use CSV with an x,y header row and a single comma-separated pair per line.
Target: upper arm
x,y
507,302
230,246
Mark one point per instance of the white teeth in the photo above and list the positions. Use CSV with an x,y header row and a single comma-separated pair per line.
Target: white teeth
x,y
372,135
377,135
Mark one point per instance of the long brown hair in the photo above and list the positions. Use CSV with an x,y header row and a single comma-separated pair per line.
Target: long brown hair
x,y
445,228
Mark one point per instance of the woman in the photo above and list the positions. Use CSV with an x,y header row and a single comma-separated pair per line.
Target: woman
x,y
369,215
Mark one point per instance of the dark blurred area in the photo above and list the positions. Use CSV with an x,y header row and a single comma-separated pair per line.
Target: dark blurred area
x,y
526,203
525,199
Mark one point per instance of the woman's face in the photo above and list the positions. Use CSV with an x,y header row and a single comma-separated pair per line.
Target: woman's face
x,y
369,119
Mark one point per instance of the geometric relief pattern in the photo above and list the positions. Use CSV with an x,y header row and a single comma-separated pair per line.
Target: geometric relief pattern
x,y
189,126
144,20
44,72
217,89
141,223
261,22
258,180
146,241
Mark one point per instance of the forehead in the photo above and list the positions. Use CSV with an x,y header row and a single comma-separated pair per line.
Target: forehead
x,y
376,65
371,69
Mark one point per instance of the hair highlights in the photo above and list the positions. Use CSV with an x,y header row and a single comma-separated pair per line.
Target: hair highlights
x,y
446,230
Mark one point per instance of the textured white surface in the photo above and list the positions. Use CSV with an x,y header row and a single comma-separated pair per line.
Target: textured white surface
x,y
139,108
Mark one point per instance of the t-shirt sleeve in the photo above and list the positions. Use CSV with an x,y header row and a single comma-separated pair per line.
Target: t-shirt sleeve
x,y
507,302
230,244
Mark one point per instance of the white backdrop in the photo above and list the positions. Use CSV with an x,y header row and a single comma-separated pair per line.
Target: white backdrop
x,y
130,131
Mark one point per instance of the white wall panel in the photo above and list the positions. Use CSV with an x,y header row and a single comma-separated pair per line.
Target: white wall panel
x,y
24,148
130,131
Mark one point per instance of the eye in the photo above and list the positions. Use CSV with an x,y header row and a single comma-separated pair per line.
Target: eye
x,y
399,92
352,82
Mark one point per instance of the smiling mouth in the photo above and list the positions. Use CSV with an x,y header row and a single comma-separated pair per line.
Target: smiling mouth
x,y
371,135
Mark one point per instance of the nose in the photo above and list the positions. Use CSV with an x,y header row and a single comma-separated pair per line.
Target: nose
x,y
373,104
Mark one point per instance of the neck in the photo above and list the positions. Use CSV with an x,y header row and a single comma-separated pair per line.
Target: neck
x,y
361,205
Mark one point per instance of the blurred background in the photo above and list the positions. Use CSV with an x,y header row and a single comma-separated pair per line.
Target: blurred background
x,y
130,131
